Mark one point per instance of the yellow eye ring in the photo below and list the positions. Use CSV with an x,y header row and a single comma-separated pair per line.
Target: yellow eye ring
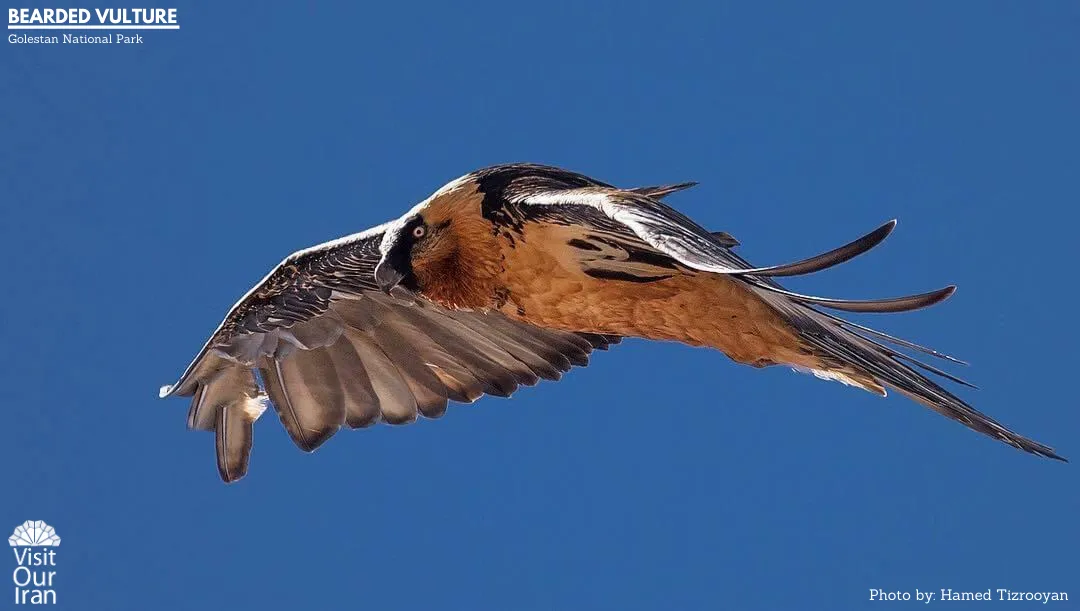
x,y
419,231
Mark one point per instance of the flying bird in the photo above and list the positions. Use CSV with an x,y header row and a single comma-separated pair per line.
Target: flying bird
x,y
516,273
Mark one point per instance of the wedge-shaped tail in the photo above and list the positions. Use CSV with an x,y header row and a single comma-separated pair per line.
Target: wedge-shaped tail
x,y
853,356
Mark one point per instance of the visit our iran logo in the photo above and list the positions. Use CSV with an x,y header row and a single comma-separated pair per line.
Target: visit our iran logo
x,y
34,575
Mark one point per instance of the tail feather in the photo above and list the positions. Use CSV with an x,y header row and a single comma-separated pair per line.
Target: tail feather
x,y
857,359
891,339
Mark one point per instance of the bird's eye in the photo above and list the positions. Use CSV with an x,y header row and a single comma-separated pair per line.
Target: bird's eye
x,y
419,231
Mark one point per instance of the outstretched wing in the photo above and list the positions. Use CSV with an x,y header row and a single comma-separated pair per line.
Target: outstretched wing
x,y
330,349
649,233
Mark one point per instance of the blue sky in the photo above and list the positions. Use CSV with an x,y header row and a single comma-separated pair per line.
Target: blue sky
x,y
144,188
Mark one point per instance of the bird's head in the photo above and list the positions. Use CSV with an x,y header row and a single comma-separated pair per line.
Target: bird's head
x,y
414,249
442,249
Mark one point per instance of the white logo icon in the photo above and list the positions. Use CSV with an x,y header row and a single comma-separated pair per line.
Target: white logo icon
x,y
33,533
34,543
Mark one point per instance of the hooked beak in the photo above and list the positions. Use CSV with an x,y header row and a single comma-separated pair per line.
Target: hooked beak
x,y
387,277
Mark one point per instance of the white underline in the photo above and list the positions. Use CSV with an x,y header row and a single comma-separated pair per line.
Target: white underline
x,y
93,27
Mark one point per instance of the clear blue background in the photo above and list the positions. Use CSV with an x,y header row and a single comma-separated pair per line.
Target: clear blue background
x,y
145,188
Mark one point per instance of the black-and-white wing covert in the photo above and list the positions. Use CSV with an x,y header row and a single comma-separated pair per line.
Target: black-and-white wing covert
x,y
326,348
